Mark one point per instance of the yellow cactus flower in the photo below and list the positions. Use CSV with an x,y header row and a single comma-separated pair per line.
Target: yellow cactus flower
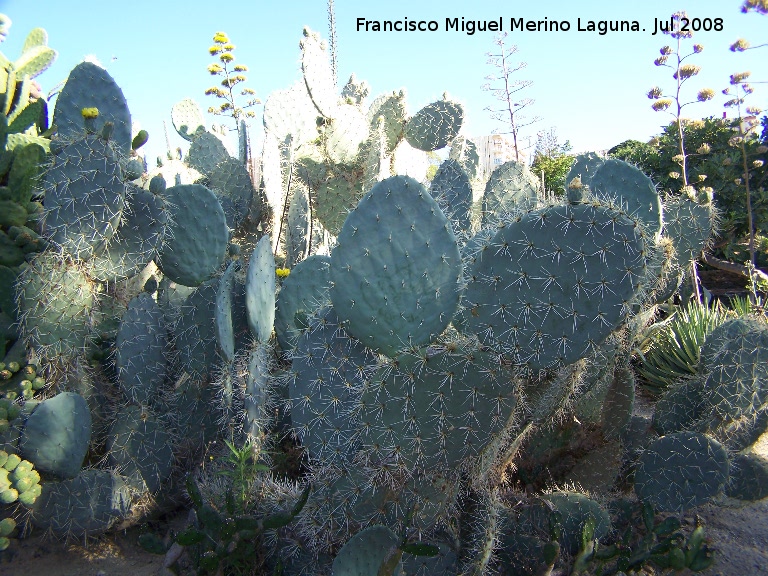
x,y
89,113
282,272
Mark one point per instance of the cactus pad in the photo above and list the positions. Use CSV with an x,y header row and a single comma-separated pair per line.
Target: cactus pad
x,y
197,235
680,471
395,270
555,282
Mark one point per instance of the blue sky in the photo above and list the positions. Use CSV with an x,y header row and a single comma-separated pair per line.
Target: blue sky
x,y
590,87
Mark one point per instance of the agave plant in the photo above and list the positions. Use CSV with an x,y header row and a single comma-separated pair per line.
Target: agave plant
x,y
672,347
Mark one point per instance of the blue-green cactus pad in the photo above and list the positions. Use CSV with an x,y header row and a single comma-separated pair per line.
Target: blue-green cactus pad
x,y
575,510
305,290
343,134
327,373
511,188
680,471
437,410
584,167
620,182
260,290
89,504
137,240
464,151
298,226
233,186
453,192
197,238
206,152
556,282
56,435
366,552
140,447
140,345
90,86
194,332
225,331
291,112
318,76
84,197
391,109
396,268
734,358
56,302
334,197
435,126
690,225
187,118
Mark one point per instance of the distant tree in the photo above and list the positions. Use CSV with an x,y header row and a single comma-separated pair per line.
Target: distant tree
x,y
641,154
551,159
505,89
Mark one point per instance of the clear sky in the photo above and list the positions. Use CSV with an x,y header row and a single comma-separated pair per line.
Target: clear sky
x,y
590,87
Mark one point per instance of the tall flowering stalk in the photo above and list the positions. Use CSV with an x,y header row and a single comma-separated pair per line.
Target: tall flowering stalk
x,y
682,73
231,76
746,126
505,89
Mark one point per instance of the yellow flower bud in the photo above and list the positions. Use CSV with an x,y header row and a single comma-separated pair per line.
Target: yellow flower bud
x,y
89,113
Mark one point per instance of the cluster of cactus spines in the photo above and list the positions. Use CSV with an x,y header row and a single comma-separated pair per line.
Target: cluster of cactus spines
x,y
623,184
141,448
690,223
748,477
328,371
452,190
88,504
187,118
84,197
583,168
57,303
137,240
733,359
141,350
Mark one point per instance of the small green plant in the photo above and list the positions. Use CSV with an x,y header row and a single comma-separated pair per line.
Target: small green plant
x,y
228,541
644,541
242,467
